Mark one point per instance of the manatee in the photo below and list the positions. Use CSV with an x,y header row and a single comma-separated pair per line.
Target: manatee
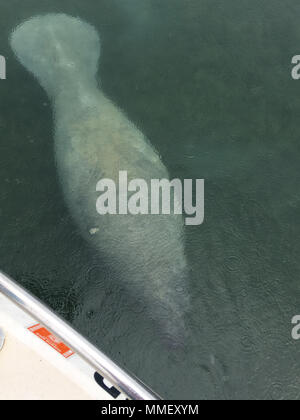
x,y
94,139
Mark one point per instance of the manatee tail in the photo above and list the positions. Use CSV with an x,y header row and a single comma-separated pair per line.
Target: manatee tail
x,y
56,48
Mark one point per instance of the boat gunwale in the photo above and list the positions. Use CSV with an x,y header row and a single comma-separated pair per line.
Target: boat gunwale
x,y
118,377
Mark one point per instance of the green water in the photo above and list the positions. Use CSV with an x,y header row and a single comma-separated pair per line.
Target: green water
x,y
209,83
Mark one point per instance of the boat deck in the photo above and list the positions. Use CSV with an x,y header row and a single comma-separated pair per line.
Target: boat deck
x,y
31,369
42,357
26,375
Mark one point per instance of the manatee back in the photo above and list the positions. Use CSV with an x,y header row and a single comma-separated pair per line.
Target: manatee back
x,y
57,48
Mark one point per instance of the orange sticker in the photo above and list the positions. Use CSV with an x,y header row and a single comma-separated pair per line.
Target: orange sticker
x,y
50,339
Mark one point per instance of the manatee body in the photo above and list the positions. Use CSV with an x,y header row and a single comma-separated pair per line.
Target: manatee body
x,y
95,140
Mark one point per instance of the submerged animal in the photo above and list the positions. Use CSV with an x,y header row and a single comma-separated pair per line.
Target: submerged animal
x,y
95,140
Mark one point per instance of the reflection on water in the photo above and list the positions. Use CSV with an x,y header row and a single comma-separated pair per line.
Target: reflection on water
x,y
209,84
